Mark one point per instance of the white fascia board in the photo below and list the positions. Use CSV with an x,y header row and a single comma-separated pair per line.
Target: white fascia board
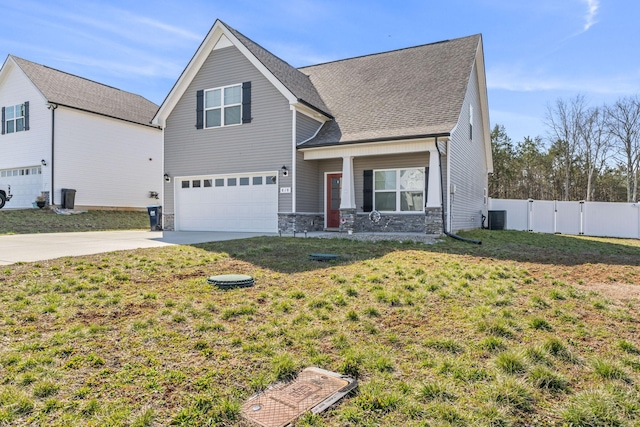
x,y
308,111
208,44
370,149
6,69
484,105
260,66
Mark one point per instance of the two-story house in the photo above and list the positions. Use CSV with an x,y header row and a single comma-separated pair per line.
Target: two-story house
x,y
394,141
60,131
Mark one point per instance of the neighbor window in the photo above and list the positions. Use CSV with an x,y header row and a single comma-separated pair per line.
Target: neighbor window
x,y
399,190
223,106
14,118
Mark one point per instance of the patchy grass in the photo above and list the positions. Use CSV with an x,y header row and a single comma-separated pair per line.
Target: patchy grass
x,y
525,329
26,221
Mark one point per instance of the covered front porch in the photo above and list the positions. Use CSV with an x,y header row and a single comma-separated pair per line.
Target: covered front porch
x,y
386,186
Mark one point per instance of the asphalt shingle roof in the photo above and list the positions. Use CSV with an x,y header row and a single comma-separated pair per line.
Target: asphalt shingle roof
x,y
77,92
398,94
298,83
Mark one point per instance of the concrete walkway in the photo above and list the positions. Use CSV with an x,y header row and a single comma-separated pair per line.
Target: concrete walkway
x,y
37,247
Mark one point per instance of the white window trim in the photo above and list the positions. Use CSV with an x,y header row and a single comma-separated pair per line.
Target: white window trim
x,y
398,190
222,106
20,108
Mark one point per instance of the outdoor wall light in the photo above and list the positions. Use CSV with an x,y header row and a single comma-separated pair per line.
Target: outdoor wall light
x,y
285,172
167,178
43,162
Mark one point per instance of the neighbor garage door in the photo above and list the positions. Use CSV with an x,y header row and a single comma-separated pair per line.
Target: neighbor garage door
x,y
26,184
244,202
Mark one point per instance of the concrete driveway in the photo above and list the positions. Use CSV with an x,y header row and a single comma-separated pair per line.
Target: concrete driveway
x,y
38,247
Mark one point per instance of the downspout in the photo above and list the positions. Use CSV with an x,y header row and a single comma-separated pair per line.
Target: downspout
x,y
53,107
442,194
294,161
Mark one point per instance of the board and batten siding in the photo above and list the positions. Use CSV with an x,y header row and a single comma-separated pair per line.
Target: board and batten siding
x,y
109,162
468,163
306,171
360,164
264,145
27,148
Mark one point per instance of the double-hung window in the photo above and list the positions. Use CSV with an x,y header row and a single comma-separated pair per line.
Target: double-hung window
x,y
223,106
399,190
14,118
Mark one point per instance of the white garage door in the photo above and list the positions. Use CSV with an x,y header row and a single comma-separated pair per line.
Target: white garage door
x,y
26,184
245,202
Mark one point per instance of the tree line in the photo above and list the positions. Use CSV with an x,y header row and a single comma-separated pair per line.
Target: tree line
x,y
590,153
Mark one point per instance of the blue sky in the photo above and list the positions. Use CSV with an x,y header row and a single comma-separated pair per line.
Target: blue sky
x,y
535,51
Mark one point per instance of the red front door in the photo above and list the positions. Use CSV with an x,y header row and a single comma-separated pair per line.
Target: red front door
x,y
334,188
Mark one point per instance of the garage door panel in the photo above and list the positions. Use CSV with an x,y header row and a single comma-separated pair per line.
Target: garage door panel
x,y
26,184
252,207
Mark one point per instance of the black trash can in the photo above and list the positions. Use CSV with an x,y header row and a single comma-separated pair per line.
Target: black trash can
x,y
68,198
155,217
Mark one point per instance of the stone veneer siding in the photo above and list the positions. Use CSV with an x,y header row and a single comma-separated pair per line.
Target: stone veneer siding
x,y
429,222
299,222
433,221
168,222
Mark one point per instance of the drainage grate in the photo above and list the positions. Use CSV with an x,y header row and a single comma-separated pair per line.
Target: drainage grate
x,y
314,390
323,257
227,281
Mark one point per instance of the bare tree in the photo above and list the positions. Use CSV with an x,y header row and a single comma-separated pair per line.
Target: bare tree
x,y
623,123
564,122
595,145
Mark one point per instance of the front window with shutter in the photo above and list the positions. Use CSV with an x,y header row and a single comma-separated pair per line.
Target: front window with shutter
x,y
223,106
398,190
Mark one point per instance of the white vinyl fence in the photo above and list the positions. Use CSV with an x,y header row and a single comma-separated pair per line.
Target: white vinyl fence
x,y
588,218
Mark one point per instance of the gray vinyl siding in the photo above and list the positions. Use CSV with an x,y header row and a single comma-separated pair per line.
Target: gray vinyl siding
x,y
360,164
306,127
264,145
468,163
307,189
307,172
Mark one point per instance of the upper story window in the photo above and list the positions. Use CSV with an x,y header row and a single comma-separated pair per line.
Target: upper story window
x,y
223,106
15,118
398,190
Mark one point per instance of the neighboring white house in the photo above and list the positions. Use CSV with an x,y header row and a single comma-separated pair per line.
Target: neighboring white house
x,y
61,131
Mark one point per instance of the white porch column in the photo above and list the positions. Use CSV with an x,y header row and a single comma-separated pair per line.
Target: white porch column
x,y
348,194
433,191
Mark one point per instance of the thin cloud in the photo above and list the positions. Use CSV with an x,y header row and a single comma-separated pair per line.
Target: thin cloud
x,y
515,80
592,11
170,28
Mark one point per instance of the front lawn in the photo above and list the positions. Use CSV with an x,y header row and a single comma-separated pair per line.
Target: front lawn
x,y
526,329
26,221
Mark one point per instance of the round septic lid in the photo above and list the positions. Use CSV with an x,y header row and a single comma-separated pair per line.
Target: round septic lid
x,y
231,280
323,257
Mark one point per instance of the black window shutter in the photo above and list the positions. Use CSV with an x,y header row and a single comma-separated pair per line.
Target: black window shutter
x,y
200,109
367,191
2,120
246,102
426,185
26,115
